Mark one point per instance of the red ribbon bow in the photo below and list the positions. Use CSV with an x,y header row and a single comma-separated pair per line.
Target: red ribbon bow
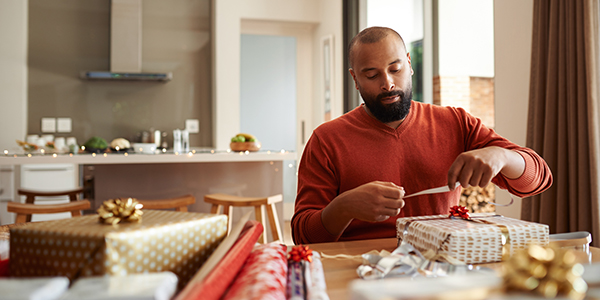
x,y
459,211
299,253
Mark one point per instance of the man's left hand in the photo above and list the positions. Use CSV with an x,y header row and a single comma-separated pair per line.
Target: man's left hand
x,y
478,167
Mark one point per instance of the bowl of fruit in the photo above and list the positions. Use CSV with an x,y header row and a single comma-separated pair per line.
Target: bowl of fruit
x,y
244,142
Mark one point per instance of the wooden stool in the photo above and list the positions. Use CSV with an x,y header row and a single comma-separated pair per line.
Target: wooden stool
x,y
25,210
225,201
178,203
31,194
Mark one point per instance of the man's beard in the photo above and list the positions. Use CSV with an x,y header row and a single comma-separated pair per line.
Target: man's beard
x,y
387,113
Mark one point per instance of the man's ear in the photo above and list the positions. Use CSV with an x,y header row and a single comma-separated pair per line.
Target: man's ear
x,y
353,77
412,72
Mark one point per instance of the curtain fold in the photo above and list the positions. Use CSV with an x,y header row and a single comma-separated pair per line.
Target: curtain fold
x,y
563,125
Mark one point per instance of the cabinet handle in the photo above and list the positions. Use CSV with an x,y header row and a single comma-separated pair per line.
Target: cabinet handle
x,y
47,170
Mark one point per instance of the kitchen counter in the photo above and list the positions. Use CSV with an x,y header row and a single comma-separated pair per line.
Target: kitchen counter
x,y
164,175
198,156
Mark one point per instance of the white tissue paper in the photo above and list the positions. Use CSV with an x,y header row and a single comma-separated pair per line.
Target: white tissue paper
x,y
148,286
4,249
47,288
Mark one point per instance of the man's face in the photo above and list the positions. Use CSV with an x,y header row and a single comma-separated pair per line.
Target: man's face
x,y
382,74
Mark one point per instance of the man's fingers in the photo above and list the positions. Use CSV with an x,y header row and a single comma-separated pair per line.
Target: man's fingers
x,y
381,218
454,171
393,203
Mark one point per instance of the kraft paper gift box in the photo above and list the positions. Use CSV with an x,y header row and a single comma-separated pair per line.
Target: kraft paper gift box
x,y
82,246
476,241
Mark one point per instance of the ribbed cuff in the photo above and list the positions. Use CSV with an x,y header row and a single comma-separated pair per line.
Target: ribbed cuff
x,y
525,181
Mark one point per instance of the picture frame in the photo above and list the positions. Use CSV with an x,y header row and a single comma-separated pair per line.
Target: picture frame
x,y
328,75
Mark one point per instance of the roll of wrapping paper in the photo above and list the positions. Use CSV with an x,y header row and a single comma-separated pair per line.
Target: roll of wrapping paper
x,y
315,279
295,283
263,275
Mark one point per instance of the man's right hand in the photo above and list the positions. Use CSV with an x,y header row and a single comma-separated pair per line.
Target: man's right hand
x,y
375,201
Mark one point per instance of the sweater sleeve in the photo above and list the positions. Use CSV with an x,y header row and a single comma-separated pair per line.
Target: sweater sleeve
x,y
535,179
317,186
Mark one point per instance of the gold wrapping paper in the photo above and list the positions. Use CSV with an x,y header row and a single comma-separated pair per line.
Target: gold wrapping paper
x,y
81,246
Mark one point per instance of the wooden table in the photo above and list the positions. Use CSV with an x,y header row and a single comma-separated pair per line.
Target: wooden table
x,y
340,272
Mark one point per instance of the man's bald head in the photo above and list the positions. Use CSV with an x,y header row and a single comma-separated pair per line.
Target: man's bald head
x,y
368,36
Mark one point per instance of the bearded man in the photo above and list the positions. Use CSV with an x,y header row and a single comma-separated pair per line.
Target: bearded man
x,y
356,169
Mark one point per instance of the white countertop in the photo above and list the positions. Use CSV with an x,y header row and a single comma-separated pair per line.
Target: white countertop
x,y
204,156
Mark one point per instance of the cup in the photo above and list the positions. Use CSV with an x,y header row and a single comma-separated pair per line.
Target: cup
x,y
32,138
48,138
41,142
59,143
71,141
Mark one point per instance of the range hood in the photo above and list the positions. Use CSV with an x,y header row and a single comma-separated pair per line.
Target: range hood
x,y
125,46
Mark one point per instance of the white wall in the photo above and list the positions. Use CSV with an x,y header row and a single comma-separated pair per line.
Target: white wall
x,y
330,16
228,16
13,78
466,47
512,36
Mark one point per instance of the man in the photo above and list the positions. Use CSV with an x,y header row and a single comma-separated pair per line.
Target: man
x,y
356,169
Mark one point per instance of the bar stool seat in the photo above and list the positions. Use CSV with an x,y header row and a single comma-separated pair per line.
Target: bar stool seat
x,y
30,195
226,201
25,210
178,203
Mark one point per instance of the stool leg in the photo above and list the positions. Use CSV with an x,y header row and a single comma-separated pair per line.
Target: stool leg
x,y
274,222
30,199
214,209
227,210
21,218
261,218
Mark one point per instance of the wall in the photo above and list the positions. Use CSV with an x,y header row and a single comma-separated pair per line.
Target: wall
x,y
228,16
513,21
70,36
466,46
13,78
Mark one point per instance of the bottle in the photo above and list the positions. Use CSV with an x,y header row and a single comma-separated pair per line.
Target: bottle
x,y
157,138
72,144
177,140
185,141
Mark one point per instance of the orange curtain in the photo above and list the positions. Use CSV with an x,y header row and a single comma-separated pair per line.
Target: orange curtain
x,y
563,122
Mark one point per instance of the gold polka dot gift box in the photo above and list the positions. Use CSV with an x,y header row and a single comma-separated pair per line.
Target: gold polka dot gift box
x,y
480,238
83,246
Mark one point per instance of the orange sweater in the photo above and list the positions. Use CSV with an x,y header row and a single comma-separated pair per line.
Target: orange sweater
x,y
355,149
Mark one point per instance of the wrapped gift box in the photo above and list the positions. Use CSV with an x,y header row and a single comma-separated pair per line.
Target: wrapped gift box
x,y
470,241
82,246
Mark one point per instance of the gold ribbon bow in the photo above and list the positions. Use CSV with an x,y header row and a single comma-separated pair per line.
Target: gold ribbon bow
x,y
114,211
549,271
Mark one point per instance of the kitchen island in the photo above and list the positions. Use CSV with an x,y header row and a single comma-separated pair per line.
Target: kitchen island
x,y
163,175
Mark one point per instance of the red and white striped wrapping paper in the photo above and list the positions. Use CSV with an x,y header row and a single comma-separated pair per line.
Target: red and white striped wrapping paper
x,y
263,276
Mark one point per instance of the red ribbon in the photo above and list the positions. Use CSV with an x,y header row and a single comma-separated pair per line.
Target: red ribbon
x,y
460,212
299,253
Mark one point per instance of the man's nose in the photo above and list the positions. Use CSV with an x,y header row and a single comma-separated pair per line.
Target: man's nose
x,y
388,83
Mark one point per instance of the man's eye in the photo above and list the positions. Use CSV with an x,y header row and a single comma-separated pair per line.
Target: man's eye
x,y
371,76
395,71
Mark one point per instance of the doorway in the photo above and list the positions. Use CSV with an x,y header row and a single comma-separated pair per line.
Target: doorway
x,y
276,91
